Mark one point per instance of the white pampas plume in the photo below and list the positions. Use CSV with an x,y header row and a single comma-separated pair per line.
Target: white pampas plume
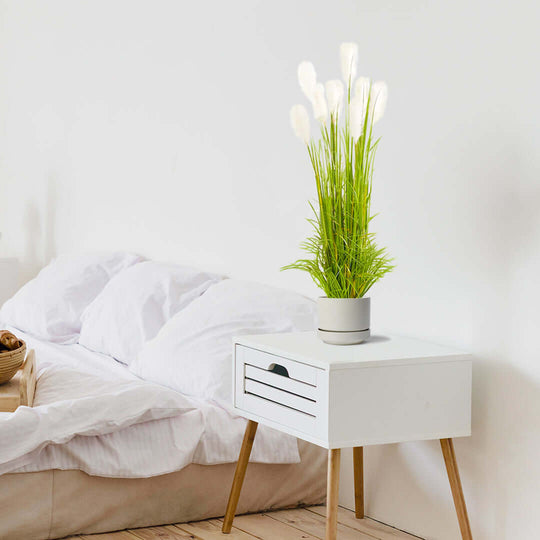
x,y
379,97
361,88
307,79
320,110
356,116
349,57
334,94
300,122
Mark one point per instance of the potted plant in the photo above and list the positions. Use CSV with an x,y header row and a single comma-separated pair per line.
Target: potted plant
x,y
344,258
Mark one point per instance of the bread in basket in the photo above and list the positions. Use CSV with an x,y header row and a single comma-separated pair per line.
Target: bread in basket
x,y
12,354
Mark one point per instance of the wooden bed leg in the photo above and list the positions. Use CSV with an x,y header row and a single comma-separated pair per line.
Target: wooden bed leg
x,y
239,475
358,461
449,455
332,493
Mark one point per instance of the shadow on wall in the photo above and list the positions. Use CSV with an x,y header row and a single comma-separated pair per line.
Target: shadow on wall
x,y
39,233
49,251
502,454
498,459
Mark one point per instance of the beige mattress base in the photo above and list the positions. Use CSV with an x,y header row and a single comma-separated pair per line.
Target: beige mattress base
x,y
56,503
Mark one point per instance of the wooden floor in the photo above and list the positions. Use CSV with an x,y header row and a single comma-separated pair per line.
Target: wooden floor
x,y
297,524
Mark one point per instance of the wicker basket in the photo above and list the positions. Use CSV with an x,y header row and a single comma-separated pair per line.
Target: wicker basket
x,y
11,361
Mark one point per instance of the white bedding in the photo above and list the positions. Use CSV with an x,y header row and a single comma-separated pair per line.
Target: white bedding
x,y
91,413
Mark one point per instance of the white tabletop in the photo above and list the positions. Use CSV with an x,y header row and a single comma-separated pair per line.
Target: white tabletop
x,y
307,348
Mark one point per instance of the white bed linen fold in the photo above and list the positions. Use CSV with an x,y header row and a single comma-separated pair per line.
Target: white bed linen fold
x,y
91,413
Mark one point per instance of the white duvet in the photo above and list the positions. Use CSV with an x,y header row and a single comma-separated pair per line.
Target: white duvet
x,y
90,413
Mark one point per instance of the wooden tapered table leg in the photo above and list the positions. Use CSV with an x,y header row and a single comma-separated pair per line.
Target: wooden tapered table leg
x,y
449,455
332,493
239,475
358,462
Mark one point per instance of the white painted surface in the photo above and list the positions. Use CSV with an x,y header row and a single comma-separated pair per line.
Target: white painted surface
x,y
307,348
163,127
400,402
277,395
10,277
385,391
286,383
302,369
305,417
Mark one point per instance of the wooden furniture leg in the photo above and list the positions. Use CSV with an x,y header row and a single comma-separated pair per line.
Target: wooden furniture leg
x,y
449,455
332,493
239,475
358,462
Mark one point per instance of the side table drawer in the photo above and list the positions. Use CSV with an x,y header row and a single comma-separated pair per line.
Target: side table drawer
x,y
278,389
281,366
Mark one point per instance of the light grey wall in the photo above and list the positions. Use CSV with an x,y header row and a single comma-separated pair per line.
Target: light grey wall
x,y
162,126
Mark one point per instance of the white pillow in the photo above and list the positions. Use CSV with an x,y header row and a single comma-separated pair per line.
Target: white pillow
x,y
50,305
192,352
136,303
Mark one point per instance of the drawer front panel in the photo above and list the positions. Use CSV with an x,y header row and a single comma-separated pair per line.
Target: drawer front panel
x,y
280,414
279,396
295,370
278,389
281,382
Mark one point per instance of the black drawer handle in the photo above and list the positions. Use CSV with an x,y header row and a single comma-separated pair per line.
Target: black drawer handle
x,y
278,370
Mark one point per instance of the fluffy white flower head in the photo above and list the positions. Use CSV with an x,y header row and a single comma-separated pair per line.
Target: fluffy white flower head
x,y
356,116
334,95
320,109
307,79
379,97
349,58
361,87
300,122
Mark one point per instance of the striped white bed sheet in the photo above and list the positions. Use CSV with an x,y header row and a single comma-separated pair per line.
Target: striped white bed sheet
x,y
90,413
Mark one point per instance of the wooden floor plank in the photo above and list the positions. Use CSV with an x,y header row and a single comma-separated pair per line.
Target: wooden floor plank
x,y
315,524
211,530
119,535
166,532
366,525
296,524
264,526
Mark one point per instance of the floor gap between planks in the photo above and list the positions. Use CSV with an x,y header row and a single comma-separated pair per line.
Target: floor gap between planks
x,y
294,524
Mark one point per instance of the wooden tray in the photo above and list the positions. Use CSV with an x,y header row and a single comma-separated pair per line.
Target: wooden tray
x,y
21,388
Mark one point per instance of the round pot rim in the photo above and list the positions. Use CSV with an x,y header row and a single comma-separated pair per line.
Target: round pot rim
x,y
332,298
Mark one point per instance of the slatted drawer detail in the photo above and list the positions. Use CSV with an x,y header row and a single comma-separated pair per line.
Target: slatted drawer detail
x,y
276,388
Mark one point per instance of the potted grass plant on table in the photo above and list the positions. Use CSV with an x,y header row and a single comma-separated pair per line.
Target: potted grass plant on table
x,y
344,259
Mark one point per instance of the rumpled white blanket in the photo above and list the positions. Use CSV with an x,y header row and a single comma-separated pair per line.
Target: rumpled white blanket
x,y
90,413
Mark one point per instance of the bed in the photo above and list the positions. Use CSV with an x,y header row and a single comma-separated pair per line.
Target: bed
x,y
113,444
56,503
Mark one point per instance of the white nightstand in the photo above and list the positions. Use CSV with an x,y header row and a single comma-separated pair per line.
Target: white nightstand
x,y
386,390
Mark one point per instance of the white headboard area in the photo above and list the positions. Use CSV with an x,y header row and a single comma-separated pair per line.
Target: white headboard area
x,y
163,128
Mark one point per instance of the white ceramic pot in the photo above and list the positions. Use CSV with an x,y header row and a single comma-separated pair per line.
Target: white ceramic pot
x,y
343,321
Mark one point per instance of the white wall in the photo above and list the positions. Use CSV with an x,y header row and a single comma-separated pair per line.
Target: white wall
x,y
163,127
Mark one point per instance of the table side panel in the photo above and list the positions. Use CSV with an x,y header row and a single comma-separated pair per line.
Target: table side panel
x,y
379,405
